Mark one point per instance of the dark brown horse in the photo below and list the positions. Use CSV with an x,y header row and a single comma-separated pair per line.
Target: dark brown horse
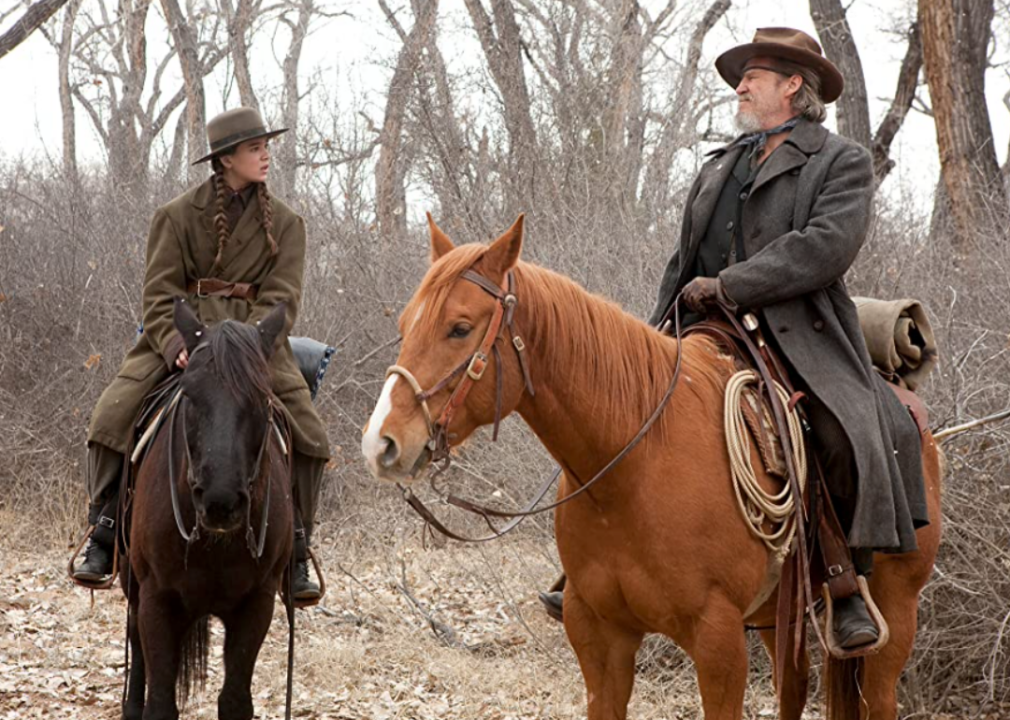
x,y
659,545
211,530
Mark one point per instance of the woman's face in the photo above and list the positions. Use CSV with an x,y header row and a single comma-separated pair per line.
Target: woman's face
x,y
248,164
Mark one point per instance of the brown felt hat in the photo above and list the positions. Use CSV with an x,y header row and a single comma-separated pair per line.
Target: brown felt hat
x,y
788,44
234,127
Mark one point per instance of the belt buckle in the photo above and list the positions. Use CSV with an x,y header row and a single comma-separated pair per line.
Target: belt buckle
x,y
199,290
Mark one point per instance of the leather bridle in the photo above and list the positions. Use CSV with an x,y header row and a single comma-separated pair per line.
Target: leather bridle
x,y
472,370
474,366
255,546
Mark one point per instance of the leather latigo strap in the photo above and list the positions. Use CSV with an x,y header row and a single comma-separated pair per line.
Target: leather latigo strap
x,y
215,287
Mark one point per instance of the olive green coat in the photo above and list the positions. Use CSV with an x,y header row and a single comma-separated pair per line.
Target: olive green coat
x,y
181,249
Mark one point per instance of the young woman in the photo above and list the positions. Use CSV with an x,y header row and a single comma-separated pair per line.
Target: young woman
x,y
234,252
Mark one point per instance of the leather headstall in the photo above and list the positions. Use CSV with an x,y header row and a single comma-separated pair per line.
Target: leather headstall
x,y
472,369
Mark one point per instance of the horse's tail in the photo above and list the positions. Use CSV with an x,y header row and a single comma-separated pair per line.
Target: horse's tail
x,y
193,663
842,684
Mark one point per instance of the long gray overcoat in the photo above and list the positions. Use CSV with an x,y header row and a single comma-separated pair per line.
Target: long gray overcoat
x,y
180,250
803,225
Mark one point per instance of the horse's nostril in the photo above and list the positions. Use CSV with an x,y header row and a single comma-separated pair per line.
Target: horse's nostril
x,y
198,493
391,454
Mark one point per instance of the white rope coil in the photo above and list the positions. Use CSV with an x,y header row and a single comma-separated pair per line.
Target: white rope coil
x,y
758,506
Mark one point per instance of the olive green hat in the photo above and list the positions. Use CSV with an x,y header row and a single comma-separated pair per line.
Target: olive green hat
x,y
233,127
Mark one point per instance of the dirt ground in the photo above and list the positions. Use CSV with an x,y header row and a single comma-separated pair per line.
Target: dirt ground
x,y
404,632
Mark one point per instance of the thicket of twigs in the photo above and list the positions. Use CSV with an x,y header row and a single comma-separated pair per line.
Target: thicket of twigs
x,y
72,259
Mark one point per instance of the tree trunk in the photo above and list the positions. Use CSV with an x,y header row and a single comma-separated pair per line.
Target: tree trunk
x,y
391,169
34,18
840,47
502,46
908,82
66,93
623,125
192,76
239,19
955,37
287,151
675,134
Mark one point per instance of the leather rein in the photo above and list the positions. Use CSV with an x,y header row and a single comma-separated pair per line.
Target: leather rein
x,y
474,366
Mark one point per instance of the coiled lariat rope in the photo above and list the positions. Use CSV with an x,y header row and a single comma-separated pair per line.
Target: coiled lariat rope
x,y
757,505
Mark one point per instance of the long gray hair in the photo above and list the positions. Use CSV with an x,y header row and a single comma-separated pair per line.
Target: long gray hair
x,y
807,102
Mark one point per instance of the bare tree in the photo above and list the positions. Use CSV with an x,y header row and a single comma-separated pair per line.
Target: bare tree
x,y
904,95
287,152
108,78
503,49
239,18
955,40
184,30
840,47
678,127
391,169
34,18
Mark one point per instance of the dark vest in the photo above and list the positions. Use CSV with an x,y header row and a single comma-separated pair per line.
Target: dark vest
x,y
722,244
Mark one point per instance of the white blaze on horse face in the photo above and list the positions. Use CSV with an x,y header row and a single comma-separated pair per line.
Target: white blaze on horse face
x,y
373,444
420,312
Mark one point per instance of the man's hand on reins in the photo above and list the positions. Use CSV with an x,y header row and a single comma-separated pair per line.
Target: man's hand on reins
x,y
700,292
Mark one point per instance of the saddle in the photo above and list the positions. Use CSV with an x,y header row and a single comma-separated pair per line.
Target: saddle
x,y
831,563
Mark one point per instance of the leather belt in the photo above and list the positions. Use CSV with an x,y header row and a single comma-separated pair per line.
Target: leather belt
x,y
215,287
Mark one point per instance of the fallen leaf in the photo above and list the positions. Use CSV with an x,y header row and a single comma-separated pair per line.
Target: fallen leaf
x,y
93,361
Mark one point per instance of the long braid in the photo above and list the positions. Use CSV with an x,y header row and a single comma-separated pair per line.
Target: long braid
x,y
267,215
220,217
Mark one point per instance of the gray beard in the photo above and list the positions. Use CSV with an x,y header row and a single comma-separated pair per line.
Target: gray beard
x,y
747,122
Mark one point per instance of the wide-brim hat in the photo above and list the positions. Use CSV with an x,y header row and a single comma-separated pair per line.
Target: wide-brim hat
x,y
787,44
234,127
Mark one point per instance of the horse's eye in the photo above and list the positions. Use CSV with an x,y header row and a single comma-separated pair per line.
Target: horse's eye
x,y
461,330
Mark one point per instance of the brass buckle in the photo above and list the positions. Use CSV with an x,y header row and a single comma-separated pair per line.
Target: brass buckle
x,y
199,291
474,374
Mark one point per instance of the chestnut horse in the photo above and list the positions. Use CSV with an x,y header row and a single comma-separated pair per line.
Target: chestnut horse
x,y
220,451
659,544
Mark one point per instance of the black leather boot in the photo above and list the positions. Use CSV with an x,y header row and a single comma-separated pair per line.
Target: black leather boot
x,y
98,555
853,627
305,588
554,599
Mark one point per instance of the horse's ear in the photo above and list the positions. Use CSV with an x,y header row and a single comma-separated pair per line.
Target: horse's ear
x,y
187,323
504,252
440,242
271,326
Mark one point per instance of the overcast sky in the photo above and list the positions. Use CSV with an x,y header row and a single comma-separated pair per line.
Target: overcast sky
x,y
354,54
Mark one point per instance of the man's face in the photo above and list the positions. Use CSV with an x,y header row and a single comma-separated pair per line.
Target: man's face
x,y
763,96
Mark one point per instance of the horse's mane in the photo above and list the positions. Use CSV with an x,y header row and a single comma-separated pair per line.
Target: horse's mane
x,y
572,324
238,360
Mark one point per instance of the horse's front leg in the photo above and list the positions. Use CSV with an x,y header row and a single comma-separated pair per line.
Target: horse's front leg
x,y
245,628
162,624
133,708
716,643
606,654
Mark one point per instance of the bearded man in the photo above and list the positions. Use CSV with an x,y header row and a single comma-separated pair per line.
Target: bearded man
x,y
771,225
